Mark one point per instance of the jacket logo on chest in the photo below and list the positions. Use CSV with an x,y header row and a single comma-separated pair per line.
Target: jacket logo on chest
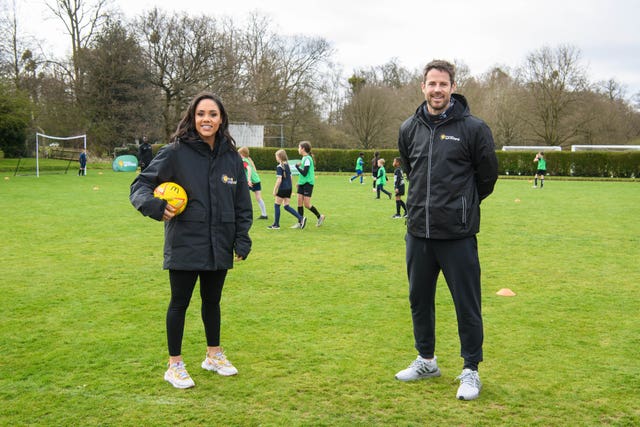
x,y
449,138
228,180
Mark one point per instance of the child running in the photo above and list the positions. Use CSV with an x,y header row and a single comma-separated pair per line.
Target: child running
x,y
398,186
282,192
359,169
306,181
254,180
382,179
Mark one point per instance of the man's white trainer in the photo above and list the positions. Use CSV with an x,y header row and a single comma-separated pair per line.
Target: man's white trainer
x,y
470,385
419,369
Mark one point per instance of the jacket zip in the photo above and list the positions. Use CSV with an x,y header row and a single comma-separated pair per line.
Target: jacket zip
x,y
212,220
431,139
426,210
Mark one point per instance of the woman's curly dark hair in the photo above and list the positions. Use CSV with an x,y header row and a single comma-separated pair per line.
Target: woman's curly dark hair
x,y
187,127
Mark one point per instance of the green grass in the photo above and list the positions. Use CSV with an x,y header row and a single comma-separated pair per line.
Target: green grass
x,y
318,337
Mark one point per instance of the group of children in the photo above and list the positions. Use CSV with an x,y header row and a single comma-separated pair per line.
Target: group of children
x,y
283,187
379,175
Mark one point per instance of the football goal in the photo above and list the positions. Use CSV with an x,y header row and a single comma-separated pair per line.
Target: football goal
x,y
534,148
52,154
604,147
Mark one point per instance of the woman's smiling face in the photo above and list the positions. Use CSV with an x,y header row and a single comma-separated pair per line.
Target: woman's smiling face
x,y
208,119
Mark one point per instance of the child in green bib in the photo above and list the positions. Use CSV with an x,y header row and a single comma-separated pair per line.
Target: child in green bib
x,y
382,180
306,181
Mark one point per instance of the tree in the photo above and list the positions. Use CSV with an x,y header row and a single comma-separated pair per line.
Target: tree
x,y
333,90
14,121
614,120
498,103
555,81
82,21
18,61
356,83
117,95
300,60
612,89
380,99
367,115
178,51
282,79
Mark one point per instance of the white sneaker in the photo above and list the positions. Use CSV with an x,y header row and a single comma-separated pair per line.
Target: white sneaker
x,y
470,385
219,363
296,225
419,369
178,376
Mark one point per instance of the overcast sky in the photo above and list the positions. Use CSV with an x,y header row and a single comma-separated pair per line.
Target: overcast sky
x,y
481,34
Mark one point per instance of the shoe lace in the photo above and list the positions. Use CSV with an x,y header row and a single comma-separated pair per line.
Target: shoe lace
x,y
420,365
469,378
416,364
180,371
220,359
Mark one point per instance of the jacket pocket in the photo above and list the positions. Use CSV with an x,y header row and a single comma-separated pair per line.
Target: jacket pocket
x,y
226,238
192,214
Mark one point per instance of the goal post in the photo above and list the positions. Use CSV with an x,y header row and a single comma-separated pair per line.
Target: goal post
x,y
61,148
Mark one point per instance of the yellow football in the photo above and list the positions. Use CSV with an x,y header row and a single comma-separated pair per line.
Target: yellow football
x,y
174,194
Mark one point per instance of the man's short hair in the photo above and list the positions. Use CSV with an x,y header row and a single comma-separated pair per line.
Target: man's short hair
x,y
441,65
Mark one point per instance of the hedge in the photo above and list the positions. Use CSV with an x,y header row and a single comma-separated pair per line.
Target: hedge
x,y
567,163
560,163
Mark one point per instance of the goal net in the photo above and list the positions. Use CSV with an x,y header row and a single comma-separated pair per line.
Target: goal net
x,y
52,154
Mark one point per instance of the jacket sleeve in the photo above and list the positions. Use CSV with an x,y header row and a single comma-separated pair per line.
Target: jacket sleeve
x,y
404,156
244,214
141,190
485,162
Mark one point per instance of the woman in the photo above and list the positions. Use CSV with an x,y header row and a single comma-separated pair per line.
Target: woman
x,y
200,242
306,181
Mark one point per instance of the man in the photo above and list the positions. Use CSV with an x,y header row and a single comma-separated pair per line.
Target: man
x,y
145,154
450,162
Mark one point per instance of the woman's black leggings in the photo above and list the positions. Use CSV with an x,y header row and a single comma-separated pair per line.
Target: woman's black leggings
x,y
182,284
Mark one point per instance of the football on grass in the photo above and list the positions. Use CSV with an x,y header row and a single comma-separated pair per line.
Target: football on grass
x,y
173,193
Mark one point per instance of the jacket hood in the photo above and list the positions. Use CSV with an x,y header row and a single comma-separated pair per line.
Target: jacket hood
x,y
193,140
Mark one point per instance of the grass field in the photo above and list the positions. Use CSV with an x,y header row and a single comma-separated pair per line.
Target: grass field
x,y
83,299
